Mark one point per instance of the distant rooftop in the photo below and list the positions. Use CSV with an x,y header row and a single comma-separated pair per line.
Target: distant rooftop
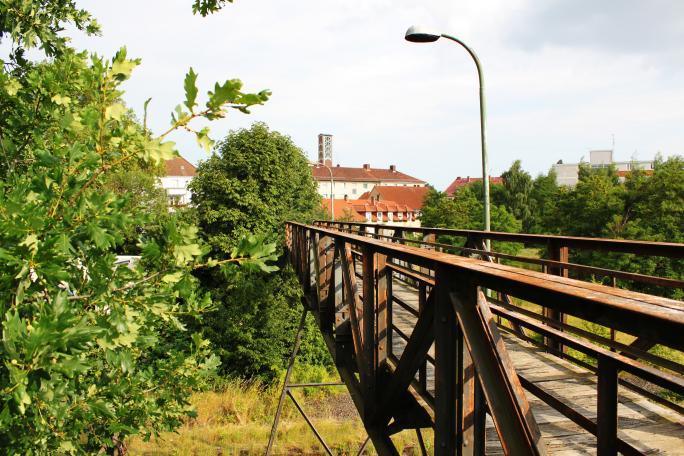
x,y
179,166
364,174
463,181
413,197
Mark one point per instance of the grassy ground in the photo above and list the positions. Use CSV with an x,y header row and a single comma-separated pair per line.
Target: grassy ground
x,y
237,421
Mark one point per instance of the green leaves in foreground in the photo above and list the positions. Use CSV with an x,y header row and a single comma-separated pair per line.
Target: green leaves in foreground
x,y
206,7
256,253
225,96
94,351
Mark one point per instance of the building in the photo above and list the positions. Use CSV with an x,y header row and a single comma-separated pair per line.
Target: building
x,y
179,173
352,182
412,197
463,181
372,211
567,173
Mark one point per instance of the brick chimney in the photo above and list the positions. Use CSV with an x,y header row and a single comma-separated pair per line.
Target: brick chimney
x,y
366,166
393,168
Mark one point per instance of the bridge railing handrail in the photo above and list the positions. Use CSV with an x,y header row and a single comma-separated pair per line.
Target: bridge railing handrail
x,y
650,248
651,312
659,320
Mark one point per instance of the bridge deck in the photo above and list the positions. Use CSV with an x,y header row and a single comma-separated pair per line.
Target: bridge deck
x,y
650,427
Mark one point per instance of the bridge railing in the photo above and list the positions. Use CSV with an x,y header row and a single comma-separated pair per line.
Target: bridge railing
x,y
473,374
558,251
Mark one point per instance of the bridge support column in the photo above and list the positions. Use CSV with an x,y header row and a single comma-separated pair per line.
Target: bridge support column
x,y
606,416
446,346
559,253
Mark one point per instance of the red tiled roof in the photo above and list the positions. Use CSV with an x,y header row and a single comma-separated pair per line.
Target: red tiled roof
x,y
343,209
179,167
646,172
362,174
358,208
413,197
463,181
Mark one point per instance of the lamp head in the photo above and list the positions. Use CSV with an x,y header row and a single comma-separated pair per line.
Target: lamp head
x,y
418,34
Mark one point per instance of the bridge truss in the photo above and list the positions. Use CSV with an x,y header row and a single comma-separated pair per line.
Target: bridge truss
x,y
443,360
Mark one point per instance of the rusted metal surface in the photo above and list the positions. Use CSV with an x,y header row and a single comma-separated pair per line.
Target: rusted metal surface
x,y
511,412
664,249
546,264
473,375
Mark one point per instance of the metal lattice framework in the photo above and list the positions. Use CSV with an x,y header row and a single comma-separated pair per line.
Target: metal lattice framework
x,y
453,368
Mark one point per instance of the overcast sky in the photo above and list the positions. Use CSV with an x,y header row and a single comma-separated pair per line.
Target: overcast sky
x,y
563,76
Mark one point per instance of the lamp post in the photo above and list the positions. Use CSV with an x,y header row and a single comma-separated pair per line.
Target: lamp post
x,y
416,34
332,187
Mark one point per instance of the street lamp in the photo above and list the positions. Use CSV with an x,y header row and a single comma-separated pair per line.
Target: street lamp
x,y
332,189
416,34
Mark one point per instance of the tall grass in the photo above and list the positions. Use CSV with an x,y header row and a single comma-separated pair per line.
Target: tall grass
x,y
237,421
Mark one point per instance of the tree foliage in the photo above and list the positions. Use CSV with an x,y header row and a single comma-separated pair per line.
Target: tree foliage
x,y
256,180
206,7
93,352
517,185
644,207
465,211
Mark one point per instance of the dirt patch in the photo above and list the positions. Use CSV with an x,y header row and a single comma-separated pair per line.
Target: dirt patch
x,y
338,407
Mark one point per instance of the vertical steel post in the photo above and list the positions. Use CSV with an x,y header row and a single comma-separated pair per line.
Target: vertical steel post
x,y
381,306
288,372
606,421
368,339
558,253
446,423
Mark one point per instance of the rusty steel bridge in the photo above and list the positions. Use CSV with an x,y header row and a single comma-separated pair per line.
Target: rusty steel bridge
x,y
495,358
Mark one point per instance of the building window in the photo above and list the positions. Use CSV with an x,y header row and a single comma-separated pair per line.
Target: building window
x,y
400,216
380,216
353,191
369,216
175,200
389,216
365,185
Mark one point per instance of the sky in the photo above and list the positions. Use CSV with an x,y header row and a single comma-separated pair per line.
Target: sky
x,y
562,76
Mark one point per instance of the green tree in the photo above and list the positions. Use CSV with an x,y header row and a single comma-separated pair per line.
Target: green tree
x,y
256,180
653,210
645,207
465,211
518,186
588,208
543,199
440,211
92,352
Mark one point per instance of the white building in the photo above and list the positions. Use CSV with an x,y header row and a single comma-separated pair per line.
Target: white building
x,y
352,182
567,173
179,173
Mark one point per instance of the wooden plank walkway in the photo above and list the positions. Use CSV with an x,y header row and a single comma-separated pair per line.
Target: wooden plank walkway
x,y
649,427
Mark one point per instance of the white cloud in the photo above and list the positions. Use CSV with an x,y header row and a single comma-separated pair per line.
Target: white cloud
x,y
342,67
